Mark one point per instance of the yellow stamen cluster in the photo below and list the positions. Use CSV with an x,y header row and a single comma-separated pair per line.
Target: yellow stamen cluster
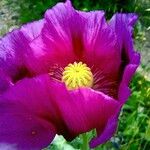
x,y
77,75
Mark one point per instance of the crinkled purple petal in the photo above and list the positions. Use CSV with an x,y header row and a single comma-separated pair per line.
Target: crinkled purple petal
x,y
101,49
32,30
26,115
122,24
14,49
75,36
5,81
38,112
124,91
108,132
82,110
60,37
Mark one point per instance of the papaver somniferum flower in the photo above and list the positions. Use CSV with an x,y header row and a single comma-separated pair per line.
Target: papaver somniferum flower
x,y
66,74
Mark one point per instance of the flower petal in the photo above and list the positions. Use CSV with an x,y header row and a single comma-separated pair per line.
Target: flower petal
x,y
38,112
82,110
61,39
64,31
122,24
26,115
124,91
102,52
32,30
77,36
108,131
5,81
101,49
14,49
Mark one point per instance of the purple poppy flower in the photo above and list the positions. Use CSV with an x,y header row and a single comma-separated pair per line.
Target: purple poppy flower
x,y
66,74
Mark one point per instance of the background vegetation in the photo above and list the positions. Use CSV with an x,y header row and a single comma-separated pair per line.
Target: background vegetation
x,y
134,126
34,9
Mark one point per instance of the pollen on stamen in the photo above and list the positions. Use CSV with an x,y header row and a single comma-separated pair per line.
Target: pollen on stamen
x,y
77,75
55,72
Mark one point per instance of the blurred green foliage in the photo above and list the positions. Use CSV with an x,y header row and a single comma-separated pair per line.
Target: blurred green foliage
x,y
34,9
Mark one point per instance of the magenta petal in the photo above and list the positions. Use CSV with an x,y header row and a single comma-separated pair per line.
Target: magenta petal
x,y
54,46
123,94
37,113
82,110
128,20
63,32
5,81
108,131
92,111
75,36
44,57
88,37
39,57
32,30
101,49
122,24
11,52
61,41
124,91
26,115
23,130
14,48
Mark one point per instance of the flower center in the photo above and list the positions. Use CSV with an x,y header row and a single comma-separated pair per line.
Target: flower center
x,y
77,75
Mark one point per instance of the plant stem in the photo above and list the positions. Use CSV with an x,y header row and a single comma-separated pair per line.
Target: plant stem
x,y
85,145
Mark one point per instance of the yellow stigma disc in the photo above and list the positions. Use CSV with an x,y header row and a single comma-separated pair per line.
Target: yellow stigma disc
x,y
77,75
